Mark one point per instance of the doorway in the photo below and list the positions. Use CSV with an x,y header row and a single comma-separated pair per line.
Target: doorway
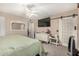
x,y
31,30
2,26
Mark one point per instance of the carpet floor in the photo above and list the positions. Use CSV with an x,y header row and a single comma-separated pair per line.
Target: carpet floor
x,y
53,50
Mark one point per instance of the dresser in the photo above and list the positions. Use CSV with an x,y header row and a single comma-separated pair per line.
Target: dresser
x,y
42,36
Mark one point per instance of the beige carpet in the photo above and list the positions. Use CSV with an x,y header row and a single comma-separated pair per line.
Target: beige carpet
x,y
54,50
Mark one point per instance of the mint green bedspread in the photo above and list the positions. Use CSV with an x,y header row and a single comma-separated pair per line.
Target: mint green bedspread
x,y
17,45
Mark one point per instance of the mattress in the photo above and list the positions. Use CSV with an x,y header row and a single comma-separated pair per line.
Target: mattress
x,y
17,45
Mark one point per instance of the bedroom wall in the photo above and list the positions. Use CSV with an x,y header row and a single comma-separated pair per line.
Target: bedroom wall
x,y
54,23
10,17
53,27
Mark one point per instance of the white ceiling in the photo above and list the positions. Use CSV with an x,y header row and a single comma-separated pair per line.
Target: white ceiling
x,y
41,10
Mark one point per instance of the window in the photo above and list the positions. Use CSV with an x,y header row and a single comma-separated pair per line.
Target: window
x,y
17,26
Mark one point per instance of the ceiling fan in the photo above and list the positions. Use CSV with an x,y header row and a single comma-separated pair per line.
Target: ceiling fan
x,y
30,6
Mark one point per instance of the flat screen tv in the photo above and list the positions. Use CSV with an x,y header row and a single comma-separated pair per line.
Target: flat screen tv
x,y
44,22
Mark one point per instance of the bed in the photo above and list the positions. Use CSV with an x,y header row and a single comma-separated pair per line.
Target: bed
x,y
17,45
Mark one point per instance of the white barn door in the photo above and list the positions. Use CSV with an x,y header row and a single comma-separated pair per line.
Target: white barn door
x,y
67,29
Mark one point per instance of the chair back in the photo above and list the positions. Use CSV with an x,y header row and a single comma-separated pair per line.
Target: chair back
x,y
71,46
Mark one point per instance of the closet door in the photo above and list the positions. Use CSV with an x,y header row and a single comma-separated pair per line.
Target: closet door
x,y
2,26
67,29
